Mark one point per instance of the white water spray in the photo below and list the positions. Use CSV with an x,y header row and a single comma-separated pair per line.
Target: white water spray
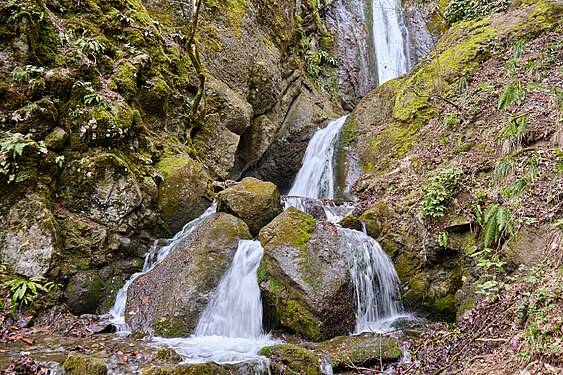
x,y
315,179
376,284
236,308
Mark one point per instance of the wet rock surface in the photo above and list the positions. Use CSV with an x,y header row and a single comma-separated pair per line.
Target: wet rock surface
x,y
169,299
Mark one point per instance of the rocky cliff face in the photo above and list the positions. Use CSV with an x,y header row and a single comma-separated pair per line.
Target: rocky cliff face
x,y
99,150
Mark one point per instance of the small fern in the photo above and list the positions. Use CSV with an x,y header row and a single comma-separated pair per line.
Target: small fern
x,y
498,224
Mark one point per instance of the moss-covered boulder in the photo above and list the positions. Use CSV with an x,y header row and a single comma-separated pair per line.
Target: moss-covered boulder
x,y
288,359
83,292
82,364
102,187
361,350
169,299
185,192
430,273
254,201
304,277
351,222
29,236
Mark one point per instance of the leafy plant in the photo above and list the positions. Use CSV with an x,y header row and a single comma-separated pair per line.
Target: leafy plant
x,y
84,45
443,239
12,146
491,262
24,291
503,167
93,98
512,133
452,120
28,73
498,224
439,190
513,92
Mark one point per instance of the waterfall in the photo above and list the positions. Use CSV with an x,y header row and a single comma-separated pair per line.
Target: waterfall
x,y
230,328
315,179
376,284
153,257
389,36
236,308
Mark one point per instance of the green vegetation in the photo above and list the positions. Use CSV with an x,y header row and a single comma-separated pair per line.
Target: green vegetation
x,y
498,224
440,188
22,291
463,10
12,146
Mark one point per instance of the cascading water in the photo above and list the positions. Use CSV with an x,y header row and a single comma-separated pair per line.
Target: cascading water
x,y
236,309
389,36
154,256
376,284
230,328
315,179
377,296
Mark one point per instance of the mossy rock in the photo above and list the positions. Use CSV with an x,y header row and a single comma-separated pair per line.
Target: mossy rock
x,y
351,222
84,292
254,201
209,368
103,188
304,280
185,191
29,239
168,299
288,359
360,350
82,364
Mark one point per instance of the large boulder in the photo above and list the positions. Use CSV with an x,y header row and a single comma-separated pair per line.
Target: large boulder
x,y
360,350
254,201
304,277
185,192
29,239
169,299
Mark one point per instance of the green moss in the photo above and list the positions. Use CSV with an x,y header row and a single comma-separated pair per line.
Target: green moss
x,y
81,364
292,312
126,79
169,327
231,12
291,359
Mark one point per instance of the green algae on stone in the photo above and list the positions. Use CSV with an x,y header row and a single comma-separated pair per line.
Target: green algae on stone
x,y
288,359
359,350
185,190
254,201
82,364
305,284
